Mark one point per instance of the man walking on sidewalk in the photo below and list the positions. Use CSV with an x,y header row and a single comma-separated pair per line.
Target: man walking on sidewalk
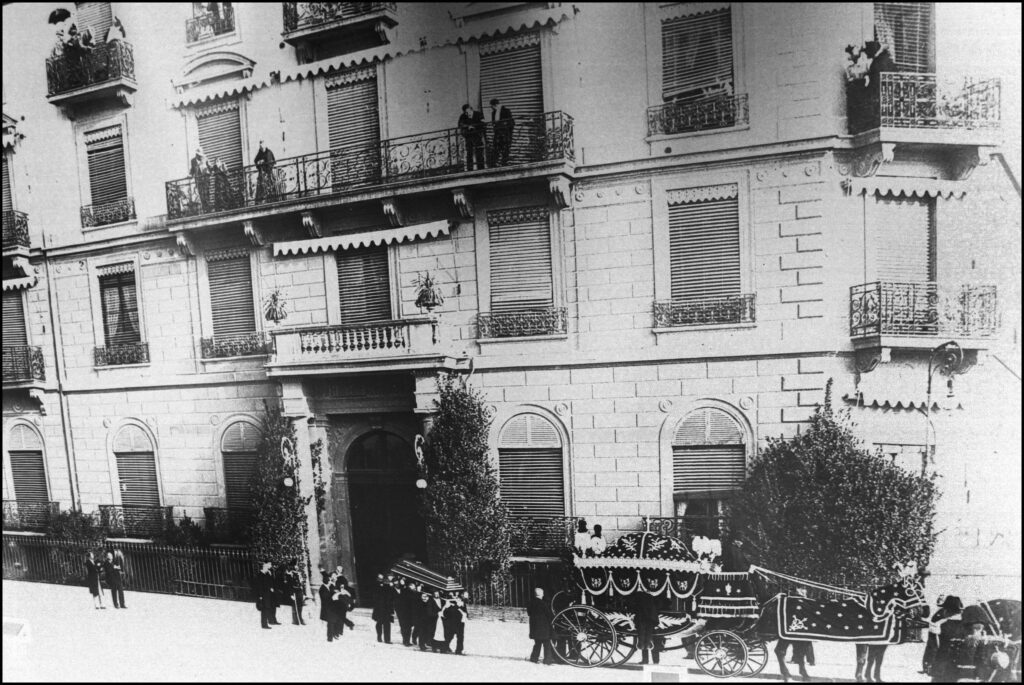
x,y
541,616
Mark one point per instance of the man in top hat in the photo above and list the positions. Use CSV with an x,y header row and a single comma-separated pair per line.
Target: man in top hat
x,y
263,588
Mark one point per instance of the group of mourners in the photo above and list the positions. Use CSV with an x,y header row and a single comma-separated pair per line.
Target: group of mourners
x,y
474,131
954,633
279,587
217,189
112,571
427,618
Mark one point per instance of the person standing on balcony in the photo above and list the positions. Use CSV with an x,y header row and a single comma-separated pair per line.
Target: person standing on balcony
x,y
200,172
92,579
266,189
597,543
471,126
223,194
502,124
114,568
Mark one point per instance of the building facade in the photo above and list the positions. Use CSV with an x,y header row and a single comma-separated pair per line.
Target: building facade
x,y
694,220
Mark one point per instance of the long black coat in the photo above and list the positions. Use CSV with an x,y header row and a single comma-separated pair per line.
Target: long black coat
x,y
263,588
115,577
407,605
92,576
384,604
426,617
541,616
325,602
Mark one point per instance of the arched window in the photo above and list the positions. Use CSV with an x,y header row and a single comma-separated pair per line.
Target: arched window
x,y
238,447
136,467
28,472
708,465
530,466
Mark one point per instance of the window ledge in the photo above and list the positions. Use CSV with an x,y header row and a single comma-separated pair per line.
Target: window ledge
x,y
229,38
119,224
524,338
703,327
664,137
121,366
238,357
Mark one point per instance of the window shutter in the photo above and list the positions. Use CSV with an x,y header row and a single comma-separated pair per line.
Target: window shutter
x,y
220,134
29,476
514,76
120,308
136,472
15,332
530,467
704,248
352,113
708,454
904,237
239,468
231,299
8,201
241,437
131,438
696,54
364,286
96,16
105,153
908,29
521,268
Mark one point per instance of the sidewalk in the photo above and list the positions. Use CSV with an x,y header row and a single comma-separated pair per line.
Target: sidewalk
x,y
165,638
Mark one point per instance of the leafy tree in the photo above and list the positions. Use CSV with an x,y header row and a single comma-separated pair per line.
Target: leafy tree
x,y
467,524
279,513
822,507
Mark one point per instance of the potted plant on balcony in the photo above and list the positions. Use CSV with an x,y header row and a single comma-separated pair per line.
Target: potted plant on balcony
x,y
274,307
428,293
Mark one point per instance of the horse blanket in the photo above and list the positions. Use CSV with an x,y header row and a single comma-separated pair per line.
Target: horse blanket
x,y
845,620
727,595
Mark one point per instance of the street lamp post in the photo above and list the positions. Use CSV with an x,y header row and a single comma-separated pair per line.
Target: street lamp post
x,y
949,359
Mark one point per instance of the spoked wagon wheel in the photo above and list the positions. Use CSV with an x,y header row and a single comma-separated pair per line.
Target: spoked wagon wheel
x,y
561,600
582,636
757,658
721,654
624,650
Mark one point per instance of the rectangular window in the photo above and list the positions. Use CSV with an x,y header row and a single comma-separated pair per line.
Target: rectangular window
x,y
220,134
239,468
520,259
510,70
697,60
231,300
904,238
15,332
95,16
105,154
704,242
119,308
29,476
364,286
136,472
353,127
908,30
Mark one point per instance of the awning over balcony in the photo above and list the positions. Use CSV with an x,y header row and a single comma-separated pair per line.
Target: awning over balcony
x,y
525,20
363,239
355,59
901,386
910,187
213,91
19,283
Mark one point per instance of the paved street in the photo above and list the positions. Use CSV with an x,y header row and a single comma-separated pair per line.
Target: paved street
x,y
165,638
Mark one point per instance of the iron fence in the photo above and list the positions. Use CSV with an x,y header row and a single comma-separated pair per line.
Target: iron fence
x,y
118,355
15,229
29,514
524,322
218,573
209,24
700,311
923,309
719,111
241,345
113,212
303,15
70,68
526,575
136,521
23,363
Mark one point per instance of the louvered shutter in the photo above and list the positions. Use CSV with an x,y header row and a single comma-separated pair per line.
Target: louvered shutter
x,y
353,128
238,447
514,76
105,154
521,274
220,134
231,299
530,467
908,29
29,476
15,332
708,455
364,286
696,54
704,248
136,472
120,308
96,16
8,201
904,238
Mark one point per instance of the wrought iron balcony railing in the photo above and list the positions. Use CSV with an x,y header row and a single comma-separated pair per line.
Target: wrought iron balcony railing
x,y
923,309
73,68
228,525
32,515
547,137
112,212
134,521
685,528
210,24
23,363
382,340
541,535
909,100
705,311
15,229
524,322
118,355
303,15
720,111
242,345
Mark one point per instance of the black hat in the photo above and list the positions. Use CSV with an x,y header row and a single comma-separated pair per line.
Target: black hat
x,y
953,604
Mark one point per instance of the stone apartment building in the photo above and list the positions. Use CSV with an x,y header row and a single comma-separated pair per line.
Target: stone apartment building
x,y
693,224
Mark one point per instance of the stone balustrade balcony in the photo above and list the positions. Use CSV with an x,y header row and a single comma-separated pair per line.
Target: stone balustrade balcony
x,y
31,515
135,521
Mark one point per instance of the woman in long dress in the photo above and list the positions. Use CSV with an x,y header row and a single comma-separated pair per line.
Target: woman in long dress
x,y
92,579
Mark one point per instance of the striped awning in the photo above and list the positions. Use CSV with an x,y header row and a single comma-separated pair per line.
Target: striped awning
x,y
364,239
908,187
690,9
361,58
20,283
525,20
222,89
421,574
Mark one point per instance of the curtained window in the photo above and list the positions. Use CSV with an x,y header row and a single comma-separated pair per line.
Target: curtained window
x,y
119,308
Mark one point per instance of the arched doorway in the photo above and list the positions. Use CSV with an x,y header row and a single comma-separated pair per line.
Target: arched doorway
x,y
384,500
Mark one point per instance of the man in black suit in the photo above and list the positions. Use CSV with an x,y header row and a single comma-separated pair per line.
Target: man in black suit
x,y
471,126
114,568
502,123
266,603
541,616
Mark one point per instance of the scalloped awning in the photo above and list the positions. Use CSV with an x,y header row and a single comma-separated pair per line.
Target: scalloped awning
x,y
213,91
476,29
363,239
19,283
355,59
909,187
905,387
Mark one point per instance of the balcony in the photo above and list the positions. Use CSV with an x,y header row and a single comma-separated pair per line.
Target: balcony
x,y
23,364
718,112
385,345
522,323
210,24
104,71
113,212
228,525
33,515
540,145
685,528
546,536
120,355
16,240
912,107
305,21
913,315
134,521
243,345
705,311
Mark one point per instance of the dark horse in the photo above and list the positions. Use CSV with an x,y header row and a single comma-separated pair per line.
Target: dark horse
x,y
872,622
